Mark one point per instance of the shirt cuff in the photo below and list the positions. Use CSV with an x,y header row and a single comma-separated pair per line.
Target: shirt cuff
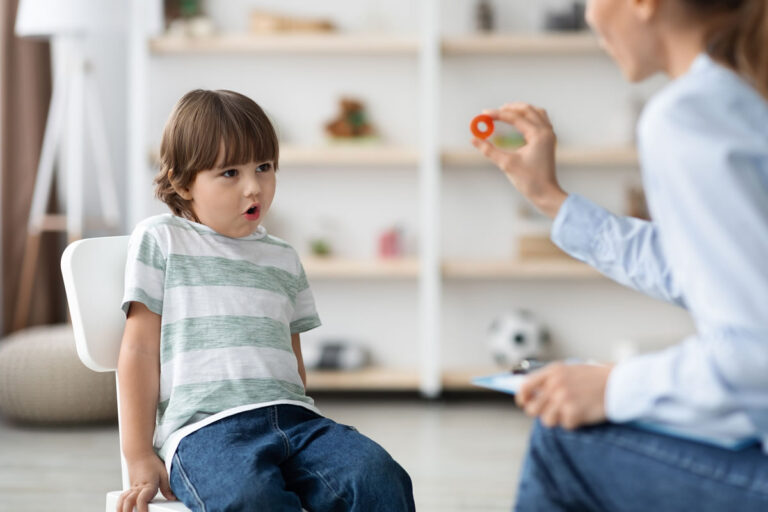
x,y
627,396
577,225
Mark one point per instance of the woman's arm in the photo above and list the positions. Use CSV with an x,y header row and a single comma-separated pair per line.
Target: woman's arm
x,y
138,371
296,344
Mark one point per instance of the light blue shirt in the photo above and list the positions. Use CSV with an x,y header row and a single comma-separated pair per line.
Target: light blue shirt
x,y
703,144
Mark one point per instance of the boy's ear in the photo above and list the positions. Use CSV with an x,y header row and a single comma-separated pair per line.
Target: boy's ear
x,y
183,192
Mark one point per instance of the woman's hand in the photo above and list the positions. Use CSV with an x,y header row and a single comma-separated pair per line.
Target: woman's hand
x,y
566,395
147,475
531,168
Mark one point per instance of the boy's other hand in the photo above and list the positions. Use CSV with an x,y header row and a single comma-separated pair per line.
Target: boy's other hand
x,y
531,168
566,395
147,475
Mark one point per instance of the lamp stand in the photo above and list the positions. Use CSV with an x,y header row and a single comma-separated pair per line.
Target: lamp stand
x,y
74,116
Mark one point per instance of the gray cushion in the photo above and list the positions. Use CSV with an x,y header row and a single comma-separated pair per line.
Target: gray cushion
x,y
43,381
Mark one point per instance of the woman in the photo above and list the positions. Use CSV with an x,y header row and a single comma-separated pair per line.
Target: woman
x,y
703,144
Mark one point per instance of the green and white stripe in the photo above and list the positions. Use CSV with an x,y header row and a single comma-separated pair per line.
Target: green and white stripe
x,y
228,308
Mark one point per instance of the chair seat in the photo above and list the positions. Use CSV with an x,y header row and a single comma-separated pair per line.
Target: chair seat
x,y
157,505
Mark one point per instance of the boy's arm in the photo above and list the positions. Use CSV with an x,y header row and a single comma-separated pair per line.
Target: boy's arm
x,y
138,369
296,344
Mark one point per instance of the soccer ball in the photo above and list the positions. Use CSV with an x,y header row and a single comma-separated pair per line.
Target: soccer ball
x,y
516,336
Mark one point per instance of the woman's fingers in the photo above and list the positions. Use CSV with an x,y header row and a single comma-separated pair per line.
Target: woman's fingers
x,y
517,118
551,414
505,160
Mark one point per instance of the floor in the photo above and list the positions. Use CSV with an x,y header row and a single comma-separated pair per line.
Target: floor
x,y
463,453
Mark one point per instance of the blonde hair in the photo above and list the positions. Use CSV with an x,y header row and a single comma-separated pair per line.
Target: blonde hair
x,y
200,125
738,37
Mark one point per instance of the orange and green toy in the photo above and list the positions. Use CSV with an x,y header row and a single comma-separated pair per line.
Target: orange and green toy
x,y
487,121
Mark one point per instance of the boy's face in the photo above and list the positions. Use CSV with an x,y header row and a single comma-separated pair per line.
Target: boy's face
x,y
232,200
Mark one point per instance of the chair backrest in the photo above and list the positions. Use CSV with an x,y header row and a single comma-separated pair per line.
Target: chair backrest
x,y
93,271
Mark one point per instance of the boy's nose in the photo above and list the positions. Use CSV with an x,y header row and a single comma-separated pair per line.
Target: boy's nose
x,y
251,187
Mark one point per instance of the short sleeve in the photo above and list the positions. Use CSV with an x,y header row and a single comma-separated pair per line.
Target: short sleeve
x,y
144,271
305,315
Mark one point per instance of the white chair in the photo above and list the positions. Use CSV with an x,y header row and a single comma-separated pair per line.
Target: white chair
x,y
93,271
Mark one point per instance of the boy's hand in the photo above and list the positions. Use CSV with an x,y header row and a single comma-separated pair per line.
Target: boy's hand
x,y
147,475
566,395
531,168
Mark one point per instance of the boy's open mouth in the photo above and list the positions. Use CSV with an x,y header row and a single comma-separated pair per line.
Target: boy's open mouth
x,y
253,212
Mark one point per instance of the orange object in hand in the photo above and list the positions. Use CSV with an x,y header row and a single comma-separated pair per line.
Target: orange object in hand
x,y
487,121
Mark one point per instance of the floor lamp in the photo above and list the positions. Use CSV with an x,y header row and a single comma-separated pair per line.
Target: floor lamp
x,y
74,118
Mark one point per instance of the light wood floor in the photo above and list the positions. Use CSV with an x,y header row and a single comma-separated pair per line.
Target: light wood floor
x,y
463,454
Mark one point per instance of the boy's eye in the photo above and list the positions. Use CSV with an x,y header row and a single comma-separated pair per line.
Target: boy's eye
x,y
229,173
264,167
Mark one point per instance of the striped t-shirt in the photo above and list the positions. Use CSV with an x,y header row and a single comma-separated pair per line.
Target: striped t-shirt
x,y
228,308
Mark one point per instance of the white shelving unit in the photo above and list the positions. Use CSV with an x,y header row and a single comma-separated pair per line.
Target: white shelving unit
x,y
429,270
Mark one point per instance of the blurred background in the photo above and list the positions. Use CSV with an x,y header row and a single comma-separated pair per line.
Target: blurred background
x,y
428,268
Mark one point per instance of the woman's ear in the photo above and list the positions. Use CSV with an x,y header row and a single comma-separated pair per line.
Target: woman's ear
x,y
183,192
646,9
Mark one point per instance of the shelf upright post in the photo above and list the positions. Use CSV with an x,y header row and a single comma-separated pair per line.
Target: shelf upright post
x,y
429,199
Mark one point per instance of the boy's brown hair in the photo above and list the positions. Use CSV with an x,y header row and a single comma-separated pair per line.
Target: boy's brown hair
x,y
200,125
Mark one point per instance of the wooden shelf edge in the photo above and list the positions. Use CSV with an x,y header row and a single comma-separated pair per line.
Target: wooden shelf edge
x,y
403,268
553,268
368,379
392,379
581,157
522,44
331,43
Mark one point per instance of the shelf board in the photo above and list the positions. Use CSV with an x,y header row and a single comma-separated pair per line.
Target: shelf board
x,y
522,44
553,268
582,157
391,379
349,155
367,379
272,44
338,268
460,379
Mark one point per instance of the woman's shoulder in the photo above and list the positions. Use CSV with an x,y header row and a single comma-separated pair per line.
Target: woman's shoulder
x,y
709,100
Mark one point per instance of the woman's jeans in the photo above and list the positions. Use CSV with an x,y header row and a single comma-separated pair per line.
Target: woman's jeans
x,y
617,468
283,458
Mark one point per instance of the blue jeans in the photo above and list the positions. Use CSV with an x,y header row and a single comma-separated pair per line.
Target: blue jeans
x,y
283,458
618,468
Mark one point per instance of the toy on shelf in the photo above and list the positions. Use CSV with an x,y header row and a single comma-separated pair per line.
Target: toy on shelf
x,y
391,243
482,126
320,247
485,16
186,19
570,18
517,336
351,123
270,23
334,355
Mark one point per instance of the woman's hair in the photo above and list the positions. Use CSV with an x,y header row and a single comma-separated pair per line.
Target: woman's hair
x,y
201,126
738,36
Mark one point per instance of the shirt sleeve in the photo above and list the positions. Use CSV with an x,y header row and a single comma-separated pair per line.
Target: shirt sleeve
x,y
625,249
144,272
305,315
